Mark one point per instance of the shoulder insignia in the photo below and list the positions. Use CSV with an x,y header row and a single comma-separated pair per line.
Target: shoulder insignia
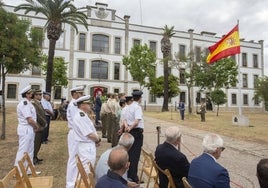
x,y
82,114
25,102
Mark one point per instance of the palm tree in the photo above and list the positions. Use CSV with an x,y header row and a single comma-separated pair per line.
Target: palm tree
x,y
166,48
57,12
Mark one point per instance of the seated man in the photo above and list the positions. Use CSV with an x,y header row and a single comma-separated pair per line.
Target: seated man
x,y
168,156
126,141
119,164
262,173
204,170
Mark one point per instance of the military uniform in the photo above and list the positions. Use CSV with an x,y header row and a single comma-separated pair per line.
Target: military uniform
x,y
134,113
203,112
104,119
72,143
41,122
84,128
25,131
113,105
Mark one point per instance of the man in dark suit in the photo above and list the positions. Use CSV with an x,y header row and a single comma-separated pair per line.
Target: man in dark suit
x,y
168,156
204,170
181,107
98,104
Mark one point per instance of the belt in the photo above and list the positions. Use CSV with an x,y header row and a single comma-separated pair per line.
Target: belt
x,y
140,130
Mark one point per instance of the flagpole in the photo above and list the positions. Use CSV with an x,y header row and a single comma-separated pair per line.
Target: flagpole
x,y
240,83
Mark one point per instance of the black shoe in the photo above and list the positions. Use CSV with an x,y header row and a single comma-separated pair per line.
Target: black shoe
x,y
36,161
39,159
45,142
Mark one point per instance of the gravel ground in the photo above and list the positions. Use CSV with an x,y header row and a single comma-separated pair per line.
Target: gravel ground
x,y
240,157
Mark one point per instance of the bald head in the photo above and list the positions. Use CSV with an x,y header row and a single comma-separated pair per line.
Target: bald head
x,y
118,159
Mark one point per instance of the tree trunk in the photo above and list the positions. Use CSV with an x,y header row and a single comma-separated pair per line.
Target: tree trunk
x,y
3,136
165,102
51,52
218,110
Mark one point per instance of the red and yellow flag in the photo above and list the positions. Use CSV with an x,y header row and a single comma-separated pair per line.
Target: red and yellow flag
x,y
228,45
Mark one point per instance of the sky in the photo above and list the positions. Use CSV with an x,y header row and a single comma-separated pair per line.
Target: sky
x,y
217,16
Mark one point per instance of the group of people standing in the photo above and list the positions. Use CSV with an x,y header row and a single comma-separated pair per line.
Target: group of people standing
x,y
201,111
34,113
116,117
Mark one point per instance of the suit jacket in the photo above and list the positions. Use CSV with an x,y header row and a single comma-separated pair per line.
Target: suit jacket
x,y
205,172
168,157
98,103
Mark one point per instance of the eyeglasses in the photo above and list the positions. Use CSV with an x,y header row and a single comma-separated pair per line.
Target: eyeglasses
x,y
222,148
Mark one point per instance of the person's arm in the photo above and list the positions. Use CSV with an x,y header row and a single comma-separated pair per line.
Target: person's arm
x,y
33,123
223,180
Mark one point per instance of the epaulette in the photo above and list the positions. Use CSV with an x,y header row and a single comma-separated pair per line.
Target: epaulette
x,y
82,114
25,103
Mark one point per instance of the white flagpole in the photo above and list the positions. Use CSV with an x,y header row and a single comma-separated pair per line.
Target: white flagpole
x,y
239,81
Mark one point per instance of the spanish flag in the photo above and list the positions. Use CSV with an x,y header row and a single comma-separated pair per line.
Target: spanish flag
x,y
228,45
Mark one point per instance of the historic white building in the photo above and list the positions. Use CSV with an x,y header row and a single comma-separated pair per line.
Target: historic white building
x,y
95,59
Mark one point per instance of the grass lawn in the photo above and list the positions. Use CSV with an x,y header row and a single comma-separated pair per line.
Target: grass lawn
x,y
222,124
55,152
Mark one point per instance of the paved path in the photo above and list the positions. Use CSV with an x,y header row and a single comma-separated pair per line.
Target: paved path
x,y
240,157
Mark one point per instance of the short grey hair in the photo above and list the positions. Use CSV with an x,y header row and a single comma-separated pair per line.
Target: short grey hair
x,y
172,134
126,140
211,142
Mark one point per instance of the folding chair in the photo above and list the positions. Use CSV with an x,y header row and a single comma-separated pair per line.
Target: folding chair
x,y
186,183
147,166
83,179
167,173
34,181
12,179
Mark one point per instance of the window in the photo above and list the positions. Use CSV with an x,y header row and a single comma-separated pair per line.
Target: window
x,y
182,76
182,52
11,91
116,90
36,71
117,45
99,70
136,42
82,41
116,71
57,94
183,96
40,38
198,54
60,42
244,60
245,99
100,43
256,101
198,97
153,46
234,98
255,60
255,79
81,68
152,98
245,80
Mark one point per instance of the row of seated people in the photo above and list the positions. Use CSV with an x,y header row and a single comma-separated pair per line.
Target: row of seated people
x,y
203,172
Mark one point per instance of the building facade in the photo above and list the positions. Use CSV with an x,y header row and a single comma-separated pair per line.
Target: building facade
x,y
95,60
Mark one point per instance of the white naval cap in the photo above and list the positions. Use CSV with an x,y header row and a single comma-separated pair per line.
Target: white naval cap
x,y
83,99
25,90
78,89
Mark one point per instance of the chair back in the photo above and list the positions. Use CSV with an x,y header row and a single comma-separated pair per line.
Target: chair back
x,y
147,166
167,173
186,183
12,179
26,166
83,179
